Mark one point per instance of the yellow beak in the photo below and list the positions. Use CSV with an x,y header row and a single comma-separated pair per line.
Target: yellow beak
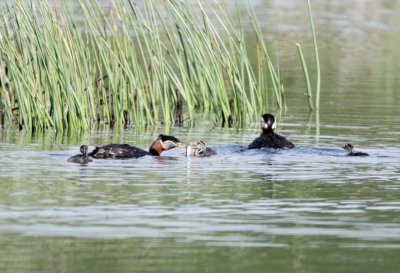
x,y
179,144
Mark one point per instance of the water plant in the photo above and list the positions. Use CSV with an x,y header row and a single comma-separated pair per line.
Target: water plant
x,y
318,88
305,70
70,67
306,77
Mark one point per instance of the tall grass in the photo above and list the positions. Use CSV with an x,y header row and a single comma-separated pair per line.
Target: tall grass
x,y
70,68
318,88
304,65
306,77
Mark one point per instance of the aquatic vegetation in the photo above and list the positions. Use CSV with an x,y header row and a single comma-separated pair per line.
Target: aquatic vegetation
x,y
306,77
70,67
305,70
318,88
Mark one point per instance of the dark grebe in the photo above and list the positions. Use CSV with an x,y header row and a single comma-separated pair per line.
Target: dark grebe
x,y
350,152
199,149
82,158
268,138
162,143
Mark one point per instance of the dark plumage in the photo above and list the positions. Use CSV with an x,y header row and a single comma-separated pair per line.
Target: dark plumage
x,y
162,143
350,152
82,158
199,149
268,138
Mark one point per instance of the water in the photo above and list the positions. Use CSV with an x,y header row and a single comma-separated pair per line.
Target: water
x,y
294,210
310,209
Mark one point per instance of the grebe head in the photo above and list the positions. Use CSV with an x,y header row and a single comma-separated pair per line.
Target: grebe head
x,y
163,143
195,148
348,147
268,123
84,150
169,142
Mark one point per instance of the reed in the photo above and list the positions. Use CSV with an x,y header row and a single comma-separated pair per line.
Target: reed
x,y
318,88
306,77
71,68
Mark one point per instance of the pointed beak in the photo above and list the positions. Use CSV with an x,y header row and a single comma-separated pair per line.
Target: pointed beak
x,y
179,144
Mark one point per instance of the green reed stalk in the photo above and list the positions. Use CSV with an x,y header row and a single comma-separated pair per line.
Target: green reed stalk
x,y
274,76
306,77
318,88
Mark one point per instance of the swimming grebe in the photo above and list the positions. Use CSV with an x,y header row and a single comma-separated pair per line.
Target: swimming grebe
x,y
350,152
82,158
268,138
199,149
162,143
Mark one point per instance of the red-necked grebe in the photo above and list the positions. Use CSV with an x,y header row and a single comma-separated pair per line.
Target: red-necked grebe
x,y
162,143
268,138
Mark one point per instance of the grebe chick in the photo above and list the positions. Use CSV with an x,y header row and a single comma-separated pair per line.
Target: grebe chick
x,y
82,158
268,138
350,152
162,143
199,149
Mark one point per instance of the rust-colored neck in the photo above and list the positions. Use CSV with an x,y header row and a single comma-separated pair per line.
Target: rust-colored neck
x,y
156,148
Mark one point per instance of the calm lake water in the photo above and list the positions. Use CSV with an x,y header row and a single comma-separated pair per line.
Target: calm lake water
x,y
310,209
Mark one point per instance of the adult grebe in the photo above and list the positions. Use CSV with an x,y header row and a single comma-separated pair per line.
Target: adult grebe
x,y
162,143
268,138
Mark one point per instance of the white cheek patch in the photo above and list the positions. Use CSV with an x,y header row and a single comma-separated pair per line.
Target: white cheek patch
x,y
274,126
263,124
